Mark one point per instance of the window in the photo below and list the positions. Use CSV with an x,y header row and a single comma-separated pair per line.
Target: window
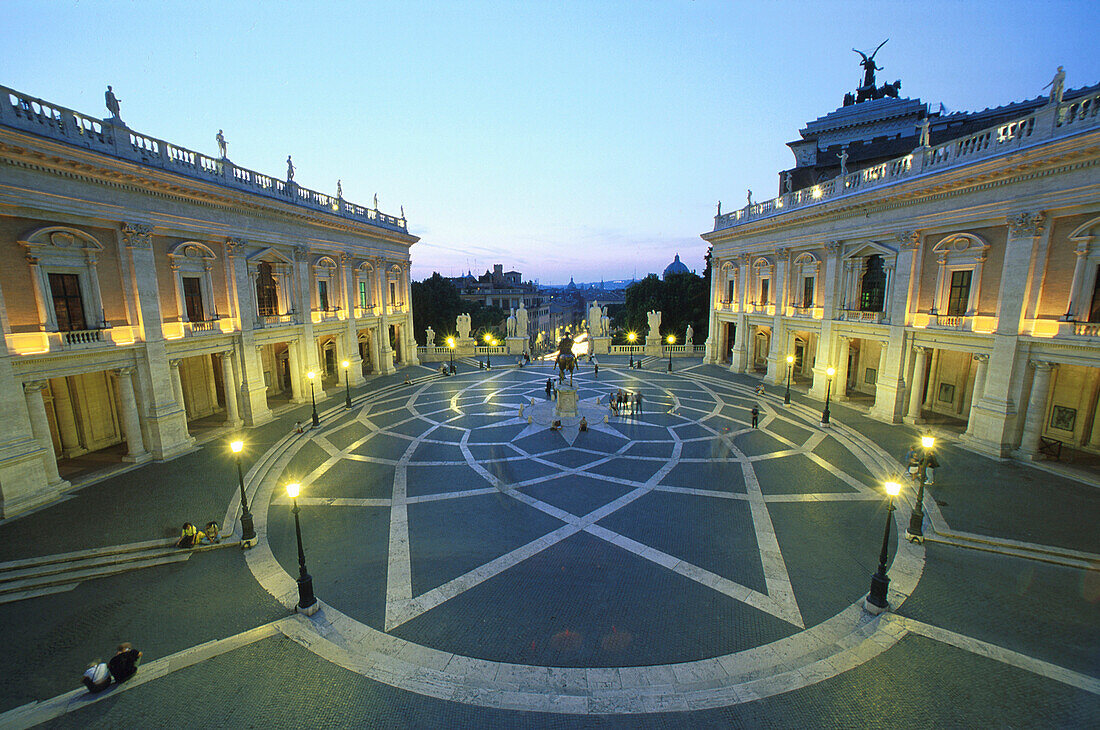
x,y
872,293
267,297
730,290
322,294
807,291
393,294
192,298
1094,310
364,298
959,294
764,284
68,307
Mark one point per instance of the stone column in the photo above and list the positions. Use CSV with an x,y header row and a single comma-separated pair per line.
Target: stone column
x,y
351,334
375,350
128,410
296,372
840,386
232,412
1023,230
40,428
713,343
1075,306
1036,409
45,311
979,387
916,394
177,384
66,419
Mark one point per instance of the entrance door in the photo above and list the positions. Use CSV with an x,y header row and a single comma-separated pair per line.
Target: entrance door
x,y
731,340
330,361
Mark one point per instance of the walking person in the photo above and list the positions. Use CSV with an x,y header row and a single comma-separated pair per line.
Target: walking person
x,y
596,370
755,415
549,388
638,401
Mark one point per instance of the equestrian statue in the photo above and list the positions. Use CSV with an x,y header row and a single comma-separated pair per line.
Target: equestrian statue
x,y
565,360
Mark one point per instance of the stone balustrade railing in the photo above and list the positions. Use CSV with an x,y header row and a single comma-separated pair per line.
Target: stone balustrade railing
x,y
626,349
1047,123
1086,329
30,114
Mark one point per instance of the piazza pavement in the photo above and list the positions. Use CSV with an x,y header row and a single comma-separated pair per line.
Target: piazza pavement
x,y
668,567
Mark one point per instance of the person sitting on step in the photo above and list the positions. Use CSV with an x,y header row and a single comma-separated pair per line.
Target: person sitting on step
x,y
124,663
213,535
97,677
190,536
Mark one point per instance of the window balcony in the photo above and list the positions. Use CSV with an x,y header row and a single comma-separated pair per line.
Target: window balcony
x,y
326,315
859,315
42,343
361,312
268,321
807,312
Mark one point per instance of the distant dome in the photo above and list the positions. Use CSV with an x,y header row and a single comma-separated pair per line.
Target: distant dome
x,y
676,267
572,286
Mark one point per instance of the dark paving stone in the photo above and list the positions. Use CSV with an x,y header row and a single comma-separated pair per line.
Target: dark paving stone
x,y
421,480
541,442
637,431
388,416
304,461
831,549
713,447
353,479
346,553
719,476
659,449
428,451
577,495
690,431
738,414
600,441
384,446
757,442
1042,610
495,435
624,467
587,587
831,450
415,427
347,435
708,532
795,434
796,474
520,470
573,457
488,452
449,538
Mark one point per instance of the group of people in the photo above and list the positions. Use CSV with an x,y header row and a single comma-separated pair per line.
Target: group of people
x,y
622,401
913,458
191,536
123,665
443,369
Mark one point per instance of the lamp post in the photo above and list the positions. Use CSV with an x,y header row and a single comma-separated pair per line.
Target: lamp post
x,y
313,397
307,602
451,345
876,601
248,531
347,384
790,366
915,532
671,340
830,372
488,357
631,337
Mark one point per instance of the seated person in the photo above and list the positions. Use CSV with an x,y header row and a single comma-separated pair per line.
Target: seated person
x,y
96,677
555,426
190,536
124,663
584,423
212,533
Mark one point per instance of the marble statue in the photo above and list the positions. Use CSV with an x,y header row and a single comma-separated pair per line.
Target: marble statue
x,y
510,323
1057,86
749,198
843,163
787,183
340,189
719,208
402,212
289,169
605,323
521,320
112,104
595,320
429,337
376,201
221,143
925,132
654,318
689,336
462,325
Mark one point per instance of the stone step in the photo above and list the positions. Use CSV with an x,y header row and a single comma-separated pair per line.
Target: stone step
x,y
78,576
93,561
43,560
1041,553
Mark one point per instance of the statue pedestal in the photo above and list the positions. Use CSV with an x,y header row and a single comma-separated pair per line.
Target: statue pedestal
x,y
567,402
465,347
601,345
653,346
516,345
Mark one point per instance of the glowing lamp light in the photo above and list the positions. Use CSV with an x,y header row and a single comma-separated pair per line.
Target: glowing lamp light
x,y
451,342
927,441
311,375
345,364
237,446
893,488
831,371
671,339
488,338
293,489
632,336
790,359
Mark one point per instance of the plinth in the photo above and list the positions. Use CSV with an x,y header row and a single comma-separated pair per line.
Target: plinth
x,y
567,402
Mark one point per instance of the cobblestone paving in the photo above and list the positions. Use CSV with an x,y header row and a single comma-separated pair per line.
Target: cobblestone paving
x,y
438,516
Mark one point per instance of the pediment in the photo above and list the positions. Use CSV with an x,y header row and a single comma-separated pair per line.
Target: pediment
x,y
270,255
60,238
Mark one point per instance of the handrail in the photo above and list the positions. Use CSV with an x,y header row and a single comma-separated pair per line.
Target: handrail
x,y
31,114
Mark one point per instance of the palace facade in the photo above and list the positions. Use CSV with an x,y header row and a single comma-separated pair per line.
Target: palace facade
x,y
954,281
148,289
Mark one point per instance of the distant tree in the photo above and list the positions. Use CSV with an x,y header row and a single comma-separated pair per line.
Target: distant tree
x,y
436,304
681,299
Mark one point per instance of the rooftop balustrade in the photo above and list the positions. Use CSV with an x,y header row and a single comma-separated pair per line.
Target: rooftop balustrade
x,y
30,114
1050,122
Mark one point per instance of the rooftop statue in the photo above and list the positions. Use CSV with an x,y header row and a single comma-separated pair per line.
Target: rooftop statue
x,y
340,189
289,169
869,65
221,143
867,91
1057,86
112,104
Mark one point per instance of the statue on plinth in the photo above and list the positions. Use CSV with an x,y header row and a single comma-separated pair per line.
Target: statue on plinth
x,y
925,132
1057,86
749,203
719,208
605,323
339,189
843,163
521,320
462,326
689,337
787,183
510,323
289,169
429,337
869,66
654,319
376,201
565,360
595,319
112,104
222,146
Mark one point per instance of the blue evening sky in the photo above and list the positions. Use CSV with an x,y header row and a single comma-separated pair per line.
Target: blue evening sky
x,y
587,139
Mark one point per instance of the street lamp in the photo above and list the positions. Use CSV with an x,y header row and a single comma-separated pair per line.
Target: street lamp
x,y
248,531
830,372
451,344
307,602
876,600
790,366
347,384
311,375
915,532
671,340
631,337
488,357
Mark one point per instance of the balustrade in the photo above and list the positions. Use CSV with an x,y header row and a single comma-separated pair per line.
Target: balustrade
x,y
82,338
1086,329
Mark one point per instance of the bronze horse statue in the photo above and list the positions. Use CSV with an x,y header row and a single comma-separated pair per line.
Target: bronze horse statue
x,y
565,360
